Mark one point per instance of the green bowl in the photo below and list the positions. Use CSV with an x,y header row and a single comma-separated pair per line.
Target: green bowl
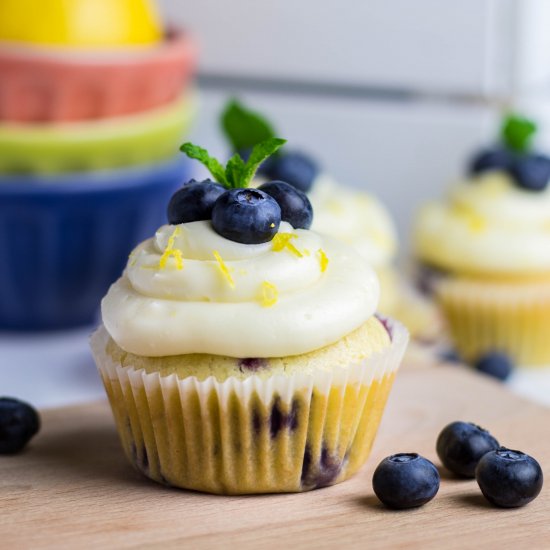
x,y
133,140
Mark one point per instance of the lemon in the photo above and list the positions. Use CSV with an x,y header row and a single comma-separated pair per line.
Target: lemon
x,y
80,23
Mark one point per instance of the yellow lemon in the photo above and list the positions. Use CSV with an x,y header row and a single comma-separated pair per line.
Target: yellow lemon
x,y
80,23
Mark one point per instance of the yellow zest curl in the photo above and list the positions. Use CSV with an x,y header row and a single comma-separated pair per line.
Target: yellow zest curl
x,y
170,251
224,269
282,241
270,294
323,260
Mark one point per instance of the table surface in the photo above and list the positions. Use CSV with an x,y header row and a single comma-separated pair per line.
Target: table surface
x,y
73,489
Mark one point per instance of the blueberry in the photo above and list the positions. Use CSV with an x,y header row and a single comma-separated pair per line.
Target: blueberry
x,y
295,206
18,423
495,364
531,172
194,202
461,445
405,480
296,168
509,479
491,159
247,216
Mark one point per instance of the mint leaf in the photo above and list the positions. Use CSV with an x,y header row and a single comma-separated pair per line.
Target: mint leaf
x,y
234,171
517,133
244,128
259,153
213,165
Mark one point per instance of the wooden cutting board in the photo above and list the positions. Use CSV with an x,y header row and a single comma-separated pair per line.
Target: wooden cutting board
x,y
73,489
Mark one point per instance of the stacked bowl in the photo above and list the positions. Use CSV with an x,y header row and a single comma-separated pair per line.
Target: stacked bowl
x,y
95,98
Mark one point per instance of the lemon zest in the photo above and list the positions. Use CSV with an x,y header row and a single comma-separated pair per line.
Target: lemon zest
x,y
132,259
171,252
323,260
270,294
282,241
224,269
476,223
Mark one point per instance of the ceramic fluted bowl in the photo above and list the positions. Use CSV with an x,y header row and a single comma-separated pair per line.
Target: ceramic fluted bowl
x,y
47,85
65,239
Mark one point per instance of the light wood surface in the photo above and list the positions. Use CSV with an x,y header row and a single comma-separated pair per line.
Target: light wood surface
x,y
73,489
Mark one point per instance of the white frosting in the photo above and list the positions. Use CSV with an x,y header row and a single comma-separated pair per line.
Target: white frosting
x,y
488,225
354,217
270,303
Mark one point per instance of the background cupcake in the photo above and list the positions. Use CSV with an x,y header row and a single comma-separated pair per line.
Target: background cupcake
x,y
95,97
485,251
241,352
356,218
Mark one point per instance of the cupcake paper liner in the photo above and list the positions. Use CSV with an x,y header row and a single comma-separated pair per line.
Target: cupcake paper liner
x,y
258,435
513,318
50,86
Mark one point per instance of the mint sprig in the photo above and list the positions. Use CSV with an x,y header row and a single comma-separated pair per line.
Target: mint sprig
x,y
244,128
237,173
517,133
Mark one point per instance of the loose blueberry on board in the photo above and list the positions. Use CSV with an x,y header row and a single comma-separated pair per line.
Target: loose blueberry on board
x,y
509,479
461,445
491,159
296,168
194,202
295,206
495,364
531,172
405,480
19,422
247,216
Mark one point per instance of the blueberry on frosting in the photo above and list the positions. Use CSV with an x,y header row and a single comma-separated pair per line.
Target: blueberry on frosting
x,y
528,169
194,202
239,213
247,216
295,206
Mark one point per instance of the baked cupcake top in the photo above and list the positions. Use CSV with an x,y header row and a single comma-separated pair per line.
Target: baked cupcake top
x,y
352,216
496,222
238,273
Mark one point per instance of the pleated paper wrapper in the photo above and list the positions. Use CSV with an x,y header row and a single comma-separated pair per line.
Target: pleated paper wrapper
x,y
284,433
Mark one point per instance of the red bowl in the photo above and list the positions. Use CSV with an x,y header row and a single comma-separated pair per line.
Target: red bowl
x,y
52,85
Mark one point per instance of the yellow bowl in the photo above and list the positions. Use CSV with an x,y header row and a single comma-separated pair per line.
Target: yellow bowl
x,y
80,23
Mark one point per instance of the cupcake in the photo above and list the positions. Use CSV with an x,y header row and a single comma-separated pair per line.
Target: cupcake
x,y
241,351
355,217
484,252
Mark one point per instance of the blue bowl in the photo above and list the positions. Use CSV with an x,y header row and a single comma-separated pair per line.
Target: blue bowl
x,y
64,239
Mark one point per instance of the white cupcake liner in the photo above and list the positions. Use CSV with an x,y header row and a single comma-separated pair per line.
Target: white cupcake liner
x,y
282,433
485,316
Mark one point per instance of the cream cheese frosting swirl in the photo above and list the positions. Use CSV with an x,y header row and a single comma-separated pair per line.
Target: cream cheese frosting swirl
x,y
354,217
190,290
487,226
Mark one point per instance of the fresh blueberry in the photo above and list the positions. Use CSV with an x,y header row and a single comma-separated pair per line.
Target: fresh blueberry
x,y
194,202
18,423
450,355
461,445
405,480
531,172
509,479
296,168
495,364
247,216
491,159
295,206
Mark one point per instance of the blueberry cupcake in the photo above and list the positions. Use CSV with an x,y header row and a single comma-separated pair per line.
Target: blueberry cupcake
x,y
485,251
240,350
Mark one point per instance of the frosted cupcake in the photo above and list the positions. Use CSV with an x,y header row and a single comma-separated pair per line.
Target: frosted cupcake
x,y
485,251
241,351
